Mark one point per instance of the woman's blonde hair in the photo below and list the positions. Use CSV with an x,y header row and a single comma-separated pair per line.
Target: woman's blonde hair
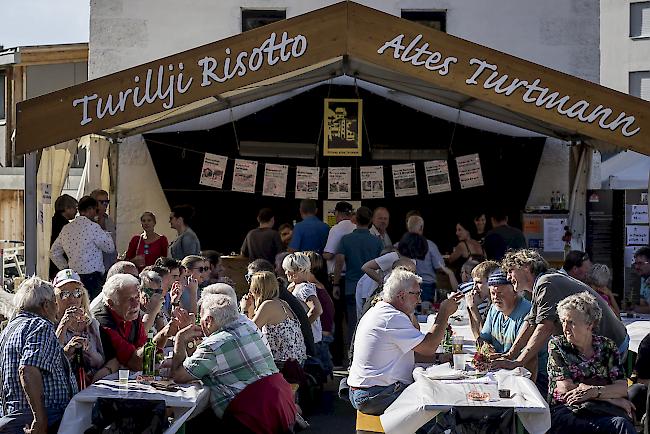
x,y
264,286
297,263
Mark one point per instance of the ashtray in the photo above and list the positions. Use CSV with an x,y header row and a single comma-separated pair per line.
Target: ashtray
x,y
504,393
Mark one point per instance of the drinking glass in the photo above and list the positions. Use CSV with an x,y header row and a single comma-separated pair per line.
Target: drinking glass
x,y
123,376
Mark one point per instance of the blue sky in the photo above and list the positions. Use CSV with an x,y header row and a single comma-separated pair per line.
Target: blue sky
x,y
42,22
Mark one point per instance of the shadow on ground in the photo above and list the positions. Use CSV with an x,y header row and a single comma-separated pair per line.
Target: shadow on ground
x,y
333,415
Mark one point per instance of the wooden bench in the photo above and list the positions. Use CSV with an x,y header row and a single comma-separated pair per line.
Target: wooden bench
x,y
368,424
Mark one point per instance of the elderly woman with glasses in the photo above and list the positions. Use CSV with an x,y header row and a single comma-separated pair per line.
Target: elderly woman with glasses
x,y
77,329
587,386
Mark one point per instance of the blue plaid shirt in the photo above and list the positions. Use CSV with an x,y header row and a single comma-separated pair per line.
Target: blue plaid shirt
x,y
32,342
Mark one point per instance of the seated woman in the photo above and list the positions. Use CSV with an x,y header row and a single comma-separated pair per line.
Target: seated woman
x,y
467,248
148,246
297,268
275,318
587,386
77,328
152,297
598,277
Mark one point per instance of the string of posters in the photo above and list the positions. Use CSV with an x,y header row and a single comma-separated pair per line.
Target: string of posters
x,y
339,179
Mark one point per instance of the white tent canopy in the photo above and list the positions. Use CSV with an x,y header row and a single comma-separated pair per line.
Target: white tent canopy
x,y
627,170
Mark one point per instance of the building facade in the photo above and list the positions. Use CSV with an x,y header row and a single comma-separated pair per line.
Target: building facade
x,y
560,34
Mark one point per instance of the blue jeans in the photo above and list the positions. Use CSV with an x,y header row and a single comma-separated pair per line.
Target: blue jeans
x,y
622,350
324,355
13,423
564,421
428,291
376,399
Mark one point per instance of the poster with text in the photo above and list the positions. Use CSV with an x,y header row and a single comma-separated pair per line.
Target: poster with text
x,y
244,176
437,173
404,180
275,180
307,182
213,170
342,127
372,182
338,183
469,171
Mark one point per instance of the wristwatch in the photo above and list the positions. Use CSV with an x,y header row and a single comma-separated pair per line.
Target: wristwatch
x,y
600,391
190,344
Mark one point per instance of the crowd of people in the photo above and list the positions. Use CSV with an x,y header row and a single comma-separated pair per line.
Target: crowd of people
x,y
317,298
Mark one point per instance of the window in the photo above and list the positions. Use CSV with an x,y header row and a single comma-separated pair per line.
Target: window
x,y
434,19
253,18
640,19
640,84
3,89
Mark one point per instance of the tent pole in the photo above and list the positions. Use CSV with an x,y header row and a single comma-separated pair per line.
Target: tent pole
x,y
31,211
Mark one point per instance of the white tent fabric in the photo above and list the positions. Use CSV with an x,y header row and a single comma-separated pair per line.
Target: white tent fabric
x,y
441,111
95,172
578,205
626,170
53,171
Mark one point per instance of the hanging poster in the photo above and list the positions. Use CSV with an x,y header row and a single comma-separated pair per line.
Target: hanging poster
x,y
338,183
307,182
244,176
469,171
372,182
437,173
637,235
213,170
553,233
46,197
275,180
404,180
342,127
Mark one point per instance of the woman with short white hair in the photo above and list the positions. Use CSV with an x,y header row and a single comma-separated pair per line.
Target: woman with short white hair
x,y
297,267
587,386
598,277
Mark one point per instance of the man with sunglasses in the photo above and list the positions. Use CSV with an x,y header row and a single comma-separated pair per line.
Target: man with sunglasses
x,y
106,223
641,266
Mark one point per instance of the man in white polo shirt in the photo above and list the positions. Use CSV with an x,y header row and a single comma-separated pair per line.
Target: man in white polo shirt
x,y
386,342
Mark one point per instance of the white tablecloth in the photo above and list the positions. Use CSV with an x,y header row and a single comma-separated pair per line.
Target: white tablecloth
x,y
187,401
425,398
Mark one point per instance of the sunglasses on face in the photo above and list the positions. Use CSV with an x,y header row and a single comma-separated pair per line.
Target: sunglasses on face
x,y
201,269
67,294
151,291
248,277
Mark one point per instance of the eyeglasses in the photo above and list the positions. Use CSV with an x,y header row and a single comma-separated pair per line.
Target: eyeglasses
x,y
201,269
67,294
640,263
418,293
104,202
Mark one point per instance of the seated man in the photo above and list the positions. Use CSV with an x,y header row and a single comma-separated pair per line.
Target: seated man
x,y
386,341
121,328
37,381
231,359
478,298
505,318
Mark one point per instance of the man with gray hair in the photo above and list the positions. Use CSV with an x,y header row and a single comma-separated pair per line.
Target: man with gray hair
x,y
386,340
230,359
37,380
120,267
426,268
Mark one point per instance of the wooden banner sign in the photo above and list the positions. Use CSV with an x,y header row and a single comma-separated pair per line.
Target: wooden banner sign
x,y
187,77
505,81
375,46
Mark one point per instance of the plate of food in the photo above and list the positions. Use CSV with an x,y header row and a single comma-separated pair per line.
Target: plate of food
x,y
477,395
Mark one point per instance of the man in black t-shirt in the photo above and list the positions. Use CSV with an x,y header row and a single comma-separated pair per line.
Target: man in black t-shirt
x,y
502,237
263,242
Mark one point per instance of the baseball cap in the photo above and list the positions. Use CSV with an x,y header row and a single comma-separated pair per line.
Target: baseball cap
x,y
344,207
65,276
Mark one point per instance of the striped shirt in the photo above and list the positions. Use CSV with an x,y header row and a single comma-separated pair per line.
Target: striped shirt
x,y
484,306
229,360
32,342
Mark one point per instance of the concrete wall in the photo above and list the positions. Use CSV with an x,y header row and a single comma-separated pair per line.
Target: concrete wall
x,y
620,54
42,79
561,34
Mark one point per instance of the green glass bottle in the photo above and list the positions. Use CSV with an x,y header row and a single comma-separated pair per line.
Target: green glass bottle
x,y
149,356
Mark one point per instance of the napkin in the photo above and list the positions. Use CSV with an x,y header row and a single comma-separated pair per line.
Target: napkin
x,y
441,372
